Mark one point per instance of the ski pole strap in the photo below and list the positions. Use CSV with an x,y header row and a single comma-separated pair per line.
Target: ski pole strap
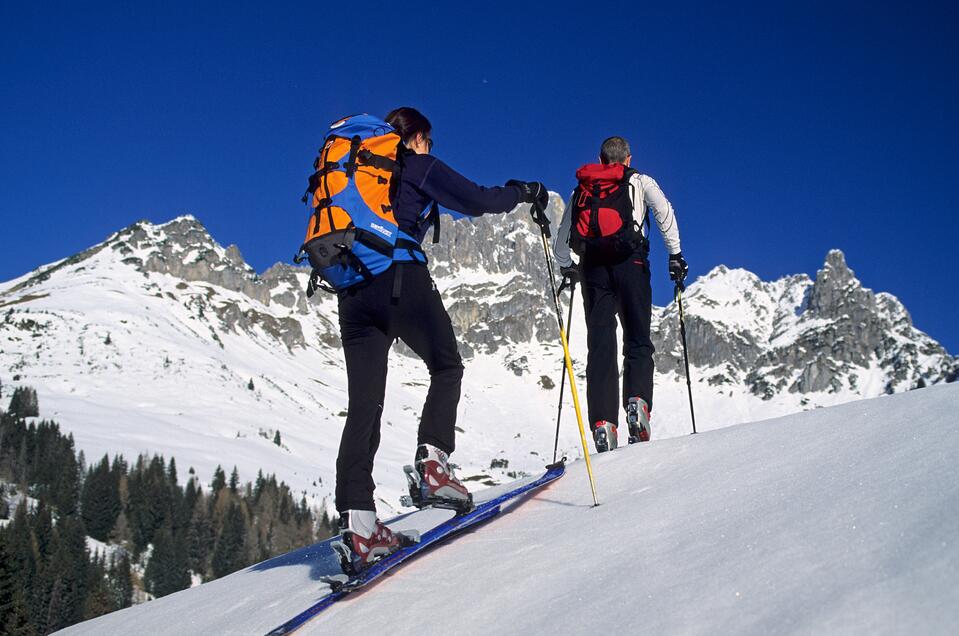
x,y
567,283
539,218
435,220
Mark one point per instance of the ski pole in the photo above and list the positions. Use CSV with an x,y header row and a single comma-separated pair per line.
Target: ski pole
x,y
562,381
678,295
540,218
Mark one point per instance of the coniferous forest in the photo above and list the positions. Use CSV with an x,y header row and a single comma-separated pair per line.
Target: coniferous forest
x,y
79,541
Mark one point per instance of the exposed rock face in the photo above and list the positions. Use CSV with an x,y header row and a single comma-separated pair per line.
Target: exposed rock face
x,y
494,280
802,336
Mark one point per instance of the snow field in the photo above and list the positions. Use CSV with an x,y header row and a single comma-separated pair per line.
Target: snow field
x,y
839,520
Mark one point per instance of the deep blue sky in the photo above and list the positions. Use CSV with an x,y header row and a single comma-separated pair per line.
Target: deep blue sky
x,y
778,132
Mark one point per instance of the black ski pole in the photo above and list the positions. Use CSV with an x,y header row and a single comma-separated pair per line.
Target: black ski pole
x,y
678,295
562,381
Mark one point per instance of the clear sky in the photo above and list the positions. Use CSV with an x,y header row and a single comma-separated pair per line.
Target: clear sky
x,y
778,130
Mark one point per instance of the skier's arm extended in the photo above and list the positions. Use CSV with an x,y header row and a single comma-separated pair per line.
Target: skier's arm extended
x,y
561,242
653,197
452,190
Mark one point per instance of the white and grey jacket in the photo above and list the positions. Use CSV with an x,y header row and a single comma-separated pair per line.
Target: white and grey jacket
x,y
647,194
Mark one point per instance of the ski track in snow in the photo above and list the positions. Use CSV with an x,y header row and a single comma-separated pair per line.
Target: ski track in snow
x,y
839,520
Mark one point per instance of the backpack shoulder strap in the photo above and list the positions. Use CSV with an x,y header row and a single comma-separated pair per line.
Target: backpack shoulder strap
x,y
628,179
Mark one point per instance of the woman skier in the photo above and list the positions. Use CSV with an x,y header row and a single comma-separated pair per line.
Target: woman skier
x,y
403,303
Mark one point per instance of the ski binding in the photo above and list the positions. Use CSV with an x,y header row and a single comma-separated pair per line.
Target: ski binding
x,y
419,497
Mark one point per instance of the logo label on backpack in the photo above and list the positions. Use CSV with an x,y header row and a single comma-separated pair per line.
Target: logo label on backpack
x,y
382,230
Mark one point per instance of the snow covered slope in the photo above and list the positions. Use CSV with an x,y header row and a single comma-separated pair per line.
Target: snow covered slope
x,y
160,340
838,520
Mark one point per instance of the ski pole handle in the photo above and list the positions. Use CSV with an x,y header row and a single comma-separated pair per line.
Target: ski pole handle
x,y
539,218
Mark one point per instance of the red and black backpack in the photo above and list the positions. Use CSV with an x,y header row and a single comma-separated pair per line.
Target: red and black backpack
x,y
603,230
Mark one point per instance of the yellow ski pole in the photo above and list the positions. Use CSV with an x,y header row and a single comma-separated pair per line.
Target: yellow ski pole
x,y
540,218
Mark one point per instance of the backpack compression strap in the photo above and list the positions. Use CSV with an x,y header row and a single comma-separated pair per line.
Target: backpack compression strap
x,y
594,211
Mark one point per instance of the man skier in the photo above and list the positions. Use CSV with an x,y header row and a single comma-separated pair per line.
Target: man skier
x,y
606,223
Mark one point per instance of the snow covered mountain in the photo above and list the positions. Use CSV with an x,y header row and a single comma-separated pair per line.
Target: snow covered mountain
x,y
160,340
826,522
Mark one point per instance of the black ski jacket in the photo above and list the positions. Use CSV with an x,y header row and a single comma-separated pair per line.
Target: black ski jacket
x,y
426,179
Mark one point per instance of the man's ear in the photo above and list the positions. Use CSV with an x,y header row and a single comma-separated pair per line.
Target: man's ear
x,y
629,159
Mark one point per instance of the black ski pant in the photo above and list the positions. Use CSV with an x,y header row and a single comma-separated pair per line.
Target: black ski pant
x,y
399,303
609,291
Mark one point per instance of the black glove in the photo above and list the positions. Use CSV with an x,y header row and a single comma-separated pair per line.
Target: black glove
x,y
677,267
531,192
572,274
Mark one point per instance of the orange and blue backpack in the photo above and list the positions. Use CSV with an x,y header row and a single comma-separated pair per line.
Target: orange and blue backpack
x,y
352,234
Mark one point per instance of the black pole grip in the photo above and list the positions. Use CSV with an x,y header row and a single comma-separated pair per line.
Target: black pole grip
x,y
539,218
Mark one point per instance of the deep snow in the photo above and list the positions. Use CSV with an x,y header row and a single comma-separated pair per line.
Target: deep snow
x,y
838,520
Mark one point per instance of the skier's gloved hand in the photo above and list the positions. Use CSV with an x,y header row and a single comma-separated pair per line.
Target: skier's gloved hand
x,y
678,269
571,274
531,192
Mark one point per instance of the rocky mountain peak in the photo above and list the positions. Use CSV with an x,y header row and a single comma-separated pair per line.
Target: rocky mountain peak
x,y
837,290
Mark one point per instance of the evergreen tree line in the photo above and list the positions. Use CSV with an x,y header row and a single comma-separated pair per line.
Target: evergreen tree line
x,y
48,577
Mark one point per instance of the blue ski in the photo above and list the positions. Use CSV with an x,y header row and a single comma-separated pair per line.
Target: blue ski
x,y
482,512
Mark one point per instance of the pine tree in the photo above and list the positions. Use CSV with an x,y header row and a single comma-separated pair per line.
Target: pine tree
x,y
234,480
100,500
43,531
22,547
121,581
185,511
66,488
23,402
151,500
171,473
219,480
258,486
17,621
200,538
326,527
250,385
98,599
69,572
230,552
8,579
166,571
276,439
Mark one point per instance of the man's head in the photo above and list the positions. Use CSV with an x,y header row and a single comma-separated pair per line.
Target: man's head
x,y
615,150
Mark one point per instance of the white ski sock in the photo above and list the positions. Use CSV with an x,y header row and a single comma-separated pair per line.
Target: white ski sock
x,y
361,522
435,454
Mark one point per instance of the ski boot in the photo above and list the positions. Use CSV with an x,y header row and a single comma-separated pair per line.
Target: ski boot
x,y
432,482
364,540
637,417
605,436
